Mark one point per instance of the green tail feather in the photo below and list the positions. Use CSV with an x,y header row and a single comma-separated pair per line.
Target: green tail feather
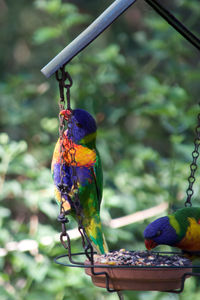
x,y
94,231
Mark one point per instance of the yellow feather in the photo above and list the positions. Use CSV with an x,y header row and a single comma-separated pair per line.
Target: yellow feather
x,y
83,155
174,223
65,204
191,241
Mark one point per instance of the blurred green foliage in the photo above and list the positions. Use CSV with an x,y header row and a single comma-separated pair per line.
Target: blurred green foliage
x,y
140,79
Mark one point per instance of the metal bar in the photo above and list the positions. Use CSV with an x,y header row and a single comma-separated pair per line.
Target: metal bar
x,y
87,36
174,22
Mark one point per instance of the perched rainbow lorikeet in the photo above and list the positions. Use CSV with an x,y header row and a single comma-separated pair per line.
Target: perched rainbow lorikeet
x,y
82,132
181,230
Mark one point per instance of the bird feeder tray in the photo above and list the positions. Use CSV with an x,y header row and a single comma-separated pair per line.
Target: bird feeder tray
x,y
139,270
140,278
168,275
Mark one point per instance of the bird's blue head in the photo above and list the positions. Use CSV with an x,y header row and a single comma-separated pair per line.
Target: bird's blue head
x,y
160,232
81,126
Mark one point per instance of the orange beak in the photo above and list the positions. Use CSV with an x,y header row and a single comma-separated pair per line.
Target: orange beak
x,y
150,244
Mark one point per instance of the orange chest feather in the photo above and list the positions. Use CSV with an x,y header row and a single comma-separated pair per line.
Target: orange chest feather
x,y
82,155
191,241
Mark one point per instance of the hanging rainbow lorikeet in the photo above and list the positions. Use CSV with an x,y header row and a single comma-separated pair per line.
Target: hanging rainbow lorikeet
x,y
81,133
181,230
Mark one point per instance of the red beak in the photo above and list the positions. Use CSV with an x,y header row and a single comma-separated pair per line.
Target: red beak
x,y
150,244
66,113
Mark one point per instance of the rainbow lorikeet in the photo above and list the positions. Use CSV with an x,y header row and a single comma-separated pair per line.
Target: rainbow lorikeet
x,y
81,133
181,230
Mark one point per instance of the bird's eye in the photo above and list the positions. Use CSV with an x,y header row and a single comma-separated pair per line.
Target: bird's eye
x,y
158,233
78,125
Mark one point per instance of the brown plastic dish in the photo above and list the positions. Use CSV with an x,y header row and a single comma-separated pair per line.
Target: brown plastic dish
x,y
144,279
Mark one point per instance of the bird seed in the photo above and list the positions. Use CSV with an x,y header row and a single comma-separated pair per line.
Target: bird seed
x,y
141,258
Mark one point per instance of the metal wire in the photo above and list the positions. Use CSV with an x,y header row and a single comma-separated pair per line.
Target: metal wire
x,y
83,265
175,23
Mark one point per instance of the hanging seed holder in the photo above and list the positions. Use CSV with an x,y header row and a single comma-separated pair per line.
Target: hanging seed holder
x,y
119,270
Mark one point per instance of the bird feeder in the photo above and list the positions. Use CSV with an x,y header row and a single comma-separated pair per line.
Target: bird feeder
x,y
144,275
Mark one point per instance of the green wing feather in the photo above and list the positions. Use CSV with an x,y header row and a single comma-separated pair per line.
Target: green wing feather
x,y
90,195
182,215
91,209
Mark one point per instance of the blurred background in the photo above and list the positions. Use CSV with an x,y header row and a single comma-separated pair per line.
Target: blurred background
x,y
140,80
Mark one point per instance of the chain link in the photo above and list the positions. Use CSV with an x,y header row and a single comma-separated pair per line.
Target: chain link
x,y
193,166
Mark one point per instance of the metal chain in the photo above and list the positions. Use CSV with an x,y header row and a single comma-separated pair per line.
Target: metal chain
x,y
61,77
193,166
71,154
62,84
